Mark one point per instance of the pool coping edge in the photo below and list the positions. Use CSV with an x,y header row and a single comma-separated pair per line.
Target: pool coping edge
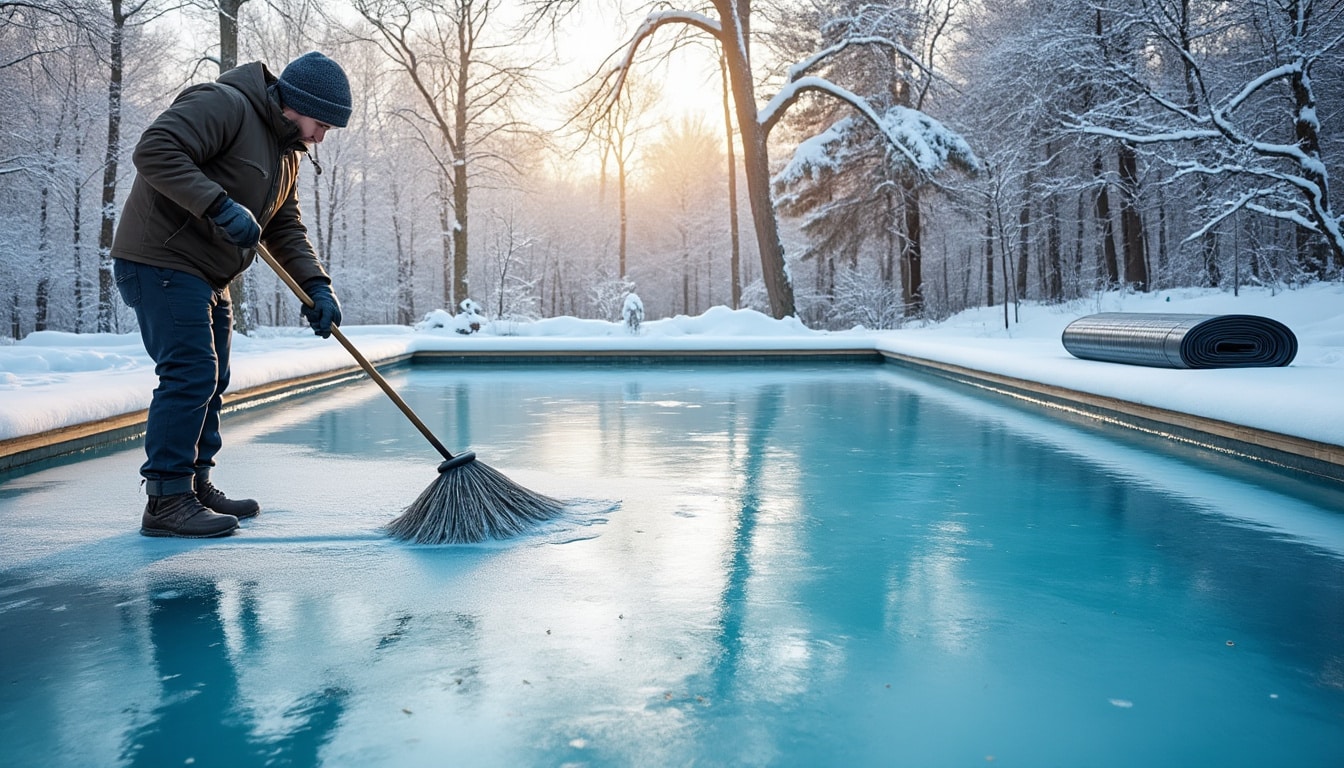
x,y
1290,452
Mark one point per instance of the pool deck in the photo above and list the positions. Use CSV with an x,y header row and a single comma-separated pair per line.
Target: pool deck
x,y
1311,457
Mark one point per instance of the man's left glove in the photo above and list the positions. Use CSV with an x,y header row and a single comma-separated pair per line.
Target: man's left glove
x,y
325,312
236,222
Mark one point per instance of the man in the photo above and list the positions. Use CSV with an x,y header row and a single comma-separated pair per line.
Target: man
x,y
216,174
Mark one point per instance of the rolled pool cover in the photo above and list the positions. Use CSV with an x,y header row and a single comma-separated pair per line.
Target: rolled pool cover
x,y
1167,340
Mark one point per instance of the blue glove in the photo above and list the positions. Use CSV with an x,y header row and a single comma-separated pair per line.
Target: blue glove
x,y
325,312
237,223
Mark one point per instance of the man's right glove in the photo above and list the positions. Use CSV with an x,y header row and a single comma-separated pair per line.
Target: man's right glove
x,y
325,312
237,223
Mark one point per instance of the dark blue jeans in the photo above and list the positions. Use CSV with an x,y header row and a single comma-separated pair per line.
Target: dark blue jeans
x,y
187,327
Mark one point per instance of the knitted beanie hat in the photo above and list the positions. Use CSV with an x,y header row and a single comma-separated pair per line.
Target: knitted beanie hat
x,y
315,86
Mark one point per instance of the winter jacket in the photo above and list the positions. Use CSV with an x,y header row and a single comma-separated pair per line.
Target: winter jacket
x,y
230,137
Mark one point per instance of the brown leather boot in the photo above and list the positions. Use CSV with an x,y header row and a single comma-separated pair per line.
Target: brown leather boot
x,y
182,515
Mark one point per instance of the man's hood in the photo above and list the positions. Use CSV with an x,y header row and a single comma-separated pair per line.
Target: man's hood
x,y
256,83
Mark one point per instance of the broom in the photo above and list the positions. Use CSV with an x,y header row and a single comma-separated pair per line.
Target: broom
x,y
469,502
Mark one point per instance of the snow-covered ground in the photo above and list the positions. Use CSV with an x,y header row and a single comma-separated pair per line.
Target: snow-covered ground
x,y
51,380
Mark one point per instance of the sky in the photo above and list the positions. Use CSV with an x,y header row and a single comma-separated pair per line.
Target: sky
x,y
51,380
591,40
587,42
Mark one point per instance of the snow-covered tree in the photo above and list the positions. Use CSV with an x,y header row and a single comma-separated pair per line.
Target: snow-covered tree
x,y
863,301
851,183
1251,122
456,58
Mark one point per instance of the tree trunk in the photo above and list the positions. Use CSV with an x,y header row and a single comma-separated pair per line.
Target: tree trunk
x,y
735,260
734,15
461,283
319,231
43,293
1054,261
1004,265
1208,242
1110,261
989,257
1024,240
447,233
106,285
324,213
888,267
405,297
76,241
685,275
756,165
912,254
228,33
244,314
1079,240
819,278
1162,233
622,247
1306,128
1131,223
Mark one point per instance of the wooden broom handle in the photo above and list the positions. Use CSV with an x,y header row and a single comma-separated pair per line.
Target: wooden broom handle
x,y
355,353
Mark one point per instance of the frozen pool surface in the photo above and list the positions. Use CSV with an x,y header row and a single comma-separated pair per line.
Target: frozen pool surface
x,y
769,565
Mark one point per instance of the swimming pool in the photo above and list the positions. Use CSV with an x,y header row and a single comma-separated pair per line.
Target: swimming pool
x,y
772,564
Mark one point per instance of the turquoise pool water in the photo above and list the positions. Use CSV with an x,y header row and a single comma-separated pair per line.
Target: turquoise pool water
x,y
767,565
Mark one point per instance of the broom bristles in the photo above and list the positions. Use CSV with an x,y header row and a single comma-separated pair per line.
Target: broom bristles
x,y
471,503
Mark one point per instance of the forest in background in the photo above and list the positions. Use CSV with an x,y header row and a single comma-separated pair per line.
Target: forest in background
x,y
991,152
